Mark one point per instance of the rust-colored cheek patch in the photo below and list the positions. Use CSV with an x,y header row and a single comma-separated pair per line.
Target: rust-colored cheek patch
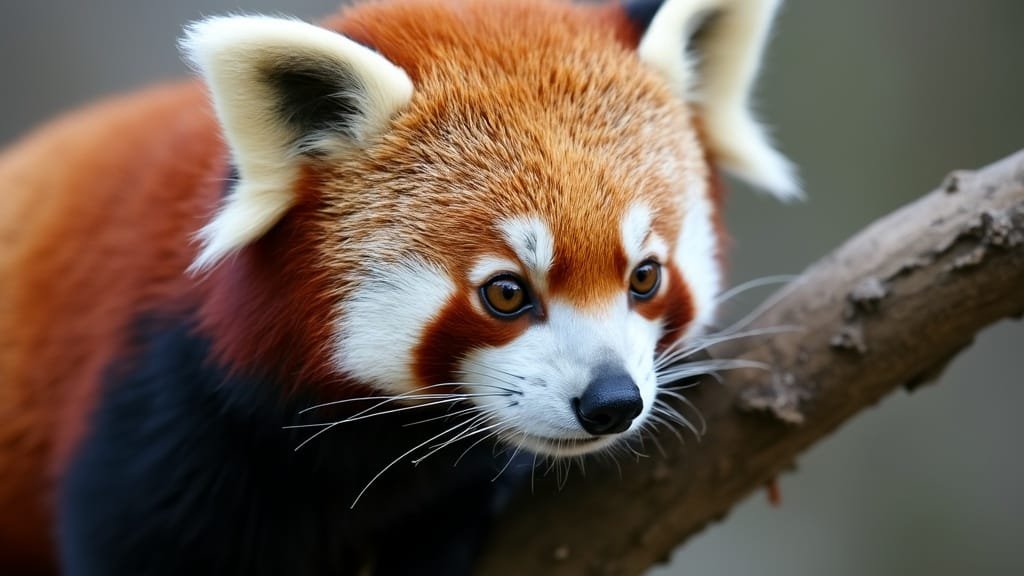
x,y
457,330
674,306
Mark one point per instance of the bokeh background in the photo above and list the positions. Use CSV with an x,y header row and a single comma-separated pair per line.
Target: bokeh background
x,y
876,100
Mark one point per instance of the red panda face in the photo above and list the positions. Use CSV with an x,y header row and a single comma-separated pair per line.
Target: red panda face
x,y
542,245
514,202
579,374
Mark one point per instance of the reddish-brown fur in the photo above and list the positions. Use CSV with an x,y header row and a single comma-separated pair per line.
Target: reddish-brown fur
x,y
96,209
100,207
457,330
587,177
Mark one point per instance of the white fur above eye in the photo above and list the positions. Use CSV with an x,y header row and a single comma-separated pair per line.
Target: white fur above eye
x,y
489,266
639,238
238,58
718,76
534,245
636,230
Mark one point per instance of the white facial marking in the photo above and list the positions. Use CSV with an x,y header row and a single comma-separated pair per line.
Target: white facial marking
x,y
553,362
487,266
640,241
657,246
636,228
532,241
383,320
696,250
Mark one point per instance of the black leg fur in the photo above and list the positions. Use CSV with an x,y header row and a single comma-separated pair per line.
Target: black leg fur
x,y
188,470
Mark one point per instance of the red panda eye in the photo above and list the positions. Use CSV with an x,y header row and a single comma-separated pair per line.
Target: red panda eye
x,y
645,280
505,297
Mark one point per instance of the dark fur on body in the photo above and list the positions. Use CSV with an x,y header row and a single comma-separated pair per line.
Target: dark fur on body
x,y
188,470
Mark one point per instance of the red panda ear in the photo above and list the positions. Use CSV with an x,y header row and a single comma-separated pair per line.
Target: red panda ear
x,y
709,51
284,91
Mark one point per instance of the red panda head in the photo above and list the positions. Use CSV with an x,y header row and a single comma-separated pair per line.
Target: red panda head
x,y
512,197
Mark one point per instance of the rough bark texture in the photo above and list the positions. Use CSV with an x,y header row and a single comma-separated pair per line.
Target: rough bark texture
x,y
887,309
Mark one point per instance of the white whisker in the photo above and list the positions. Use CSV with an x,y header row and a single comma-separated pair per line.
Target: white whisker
x,y
752,284
402,396
703,423
510,459
671,413
533,474
503,380
684,371
759,310
655,418
481,440
674,353
364,415
472,430
447,415
405,454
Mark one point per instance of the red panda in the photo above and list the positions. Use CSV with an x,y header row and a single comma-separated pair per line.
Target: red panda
x,y
421,225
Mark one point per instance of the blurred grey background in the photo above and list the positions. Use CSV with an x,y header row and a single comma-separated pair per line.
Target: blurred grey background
x,y
876,100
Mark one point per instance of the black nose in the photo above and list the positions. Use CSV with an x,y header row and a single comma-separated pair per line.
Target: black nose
x,y
609,404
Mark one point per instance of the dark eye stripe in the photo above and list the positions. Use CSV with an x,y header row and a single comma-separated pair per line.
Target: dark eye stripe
x,y
458,329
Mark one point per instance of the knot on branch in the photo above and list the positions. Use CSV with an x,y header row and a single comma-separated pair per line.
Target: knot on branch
x,y
1001,230
780,396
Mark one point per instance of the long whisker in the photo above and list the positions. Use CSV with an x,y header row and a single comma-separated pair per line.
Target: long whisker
x,y
692,384
363,415
481,440
670,412
677,351
401,396
682,349
510,458
749,285
752,284
551,462
448,415
505,372
500,379
533,474
481,418
460,396
657,443
635,452
327,426
404,455
468,432
759,310
702,422
562,476
700,368
666,424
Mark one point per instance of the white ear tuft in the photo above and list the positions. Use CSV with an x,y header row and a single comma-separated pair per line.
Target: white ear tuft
x,y
285,91
710,51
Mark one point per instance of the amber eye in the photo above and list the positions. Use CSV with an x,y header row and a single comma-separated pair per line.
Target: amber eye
x,y
505,296
645,279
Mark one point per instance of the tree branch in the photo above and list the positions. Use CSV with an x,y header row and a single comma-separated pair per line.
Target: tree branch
x,y
887,309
